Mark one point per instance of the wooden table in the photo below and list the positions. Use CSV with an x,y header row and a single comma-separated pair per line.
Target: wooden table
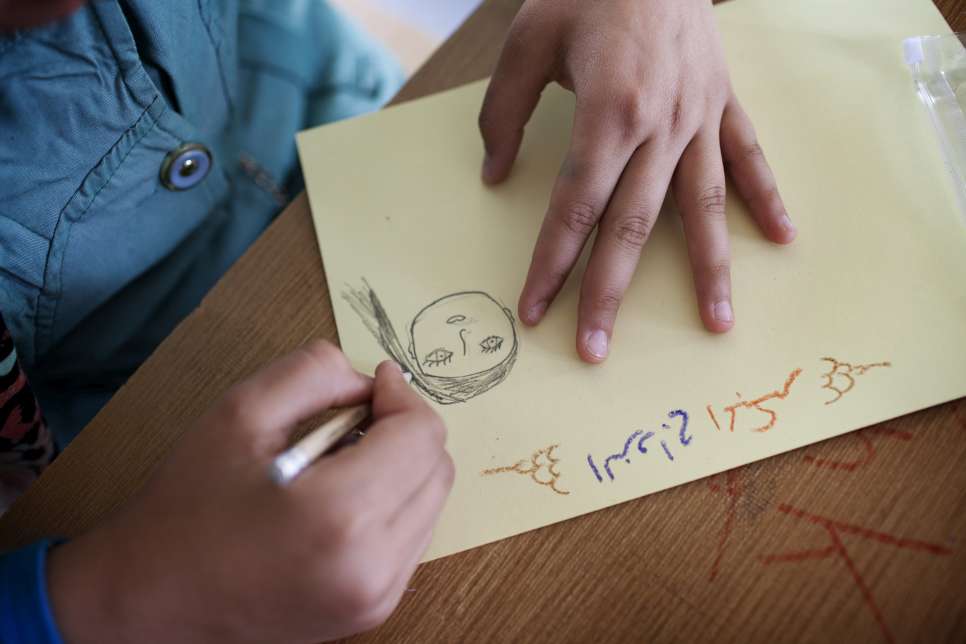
x,y
860,538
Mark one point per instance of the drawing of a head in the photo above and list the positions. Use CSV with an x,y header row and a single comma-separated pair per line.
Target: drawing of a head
x,y
460,345
462,334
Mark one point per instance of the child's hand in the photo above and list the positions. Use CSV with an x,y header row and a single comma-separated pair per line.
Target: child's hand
x,y
654,107
213,550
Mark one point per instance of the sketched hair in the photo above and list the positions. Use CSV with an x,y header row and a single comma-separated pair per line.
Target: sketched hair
x,y
445,390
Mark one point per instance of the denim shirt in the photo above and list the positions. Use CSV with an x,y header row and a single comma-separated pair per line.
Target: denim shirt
x,y
100,255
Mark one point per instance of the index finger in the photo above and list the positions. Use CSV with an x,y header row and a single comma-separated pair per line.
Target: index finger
x,y
599,151
398,453
295,387
394,395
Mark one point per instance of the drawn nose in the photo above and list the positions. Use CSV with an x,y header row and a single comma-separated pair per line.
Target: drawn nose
x,y
463,332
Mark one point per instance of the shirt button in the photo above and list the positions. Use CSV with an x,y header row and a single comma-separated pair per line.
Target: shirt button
x,y
185,167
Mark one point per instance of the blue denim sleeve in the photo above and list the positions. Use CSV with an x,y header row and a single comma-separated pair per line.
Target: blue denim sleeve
x,y
25,615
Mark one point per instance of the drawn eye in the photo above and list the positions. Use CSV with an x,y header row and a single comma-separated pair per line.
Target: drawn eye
x,y
491,344
437,357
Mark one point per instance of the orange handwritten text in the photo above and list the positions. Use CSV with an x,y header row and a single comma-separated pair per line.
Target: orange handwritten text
x,y
758,405
840,378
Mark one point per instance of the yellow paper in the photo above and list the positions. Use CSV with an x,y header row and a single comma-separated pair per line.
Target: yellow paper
x,y
873,292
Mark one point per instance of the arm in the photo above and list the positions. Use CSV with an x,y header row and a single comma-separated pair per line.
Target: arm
x,y
25,449
212,550
25,444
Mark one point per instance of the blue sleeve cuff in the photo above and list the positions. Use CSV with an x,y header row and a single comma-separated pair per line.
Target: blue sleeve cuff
x,y
25,615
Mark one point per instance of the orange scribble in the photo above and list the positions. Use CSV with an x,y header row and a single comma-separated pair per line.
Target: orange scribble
x,y
846,372
540,461
778,394
835,531
733,491
869,451
713,418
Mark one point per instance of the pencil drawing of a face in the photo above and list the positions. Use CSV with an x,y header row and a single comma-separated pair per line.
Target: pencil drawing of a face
x,y
461,334
459,346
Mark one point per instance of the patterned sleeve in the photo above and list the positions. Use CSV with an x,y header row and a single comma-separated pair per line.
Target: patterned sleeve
x,y
25,444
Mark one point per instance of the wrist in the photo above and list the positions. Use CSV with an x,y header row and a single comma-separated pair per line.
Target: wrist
x,y
85,593
110,586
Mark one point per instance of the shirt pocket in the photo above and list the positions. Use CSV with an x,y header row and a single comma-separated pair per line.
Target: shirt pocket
x,y
118,225
121,221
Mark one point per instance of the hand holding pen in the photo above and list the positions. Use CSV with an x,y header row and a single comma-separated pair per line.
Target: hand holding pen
x,y
234,553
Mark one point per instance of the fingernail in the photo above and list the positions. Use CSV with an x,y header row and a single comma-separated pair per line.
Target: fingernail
x,y
488,168
597,344
393,365
723,312
787,224
535,312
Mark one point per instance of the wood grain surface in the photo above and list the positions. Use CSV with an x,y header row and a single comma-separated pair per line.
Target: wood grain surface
x,y
860,538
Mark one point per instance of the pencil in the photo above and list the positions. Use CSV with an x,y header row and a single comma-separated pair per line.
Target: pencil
x,y
292,461
296,458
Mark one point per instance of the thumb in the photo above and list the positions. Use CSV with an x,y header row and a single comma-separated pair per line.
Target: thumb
x,y
512,95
